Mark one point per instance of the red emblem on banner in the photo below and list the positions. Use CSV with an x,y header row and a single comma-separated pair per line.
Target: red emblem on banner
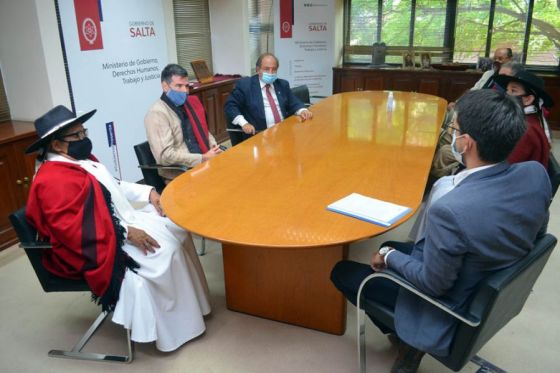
x,y
286,18
88,20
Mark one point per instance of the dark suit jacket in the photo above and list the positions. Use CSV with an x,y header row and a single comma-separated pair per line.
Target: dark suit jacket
x,y
486,223
246,99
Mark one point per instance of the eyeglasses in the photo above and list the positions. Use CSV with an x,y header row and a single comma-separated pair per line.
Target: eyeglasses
x,y
450,126
78,135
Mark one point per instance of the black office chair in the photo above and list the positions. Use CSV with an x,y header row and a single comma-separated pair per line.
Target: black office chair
x,y
51,283
149,168
498,299
553,173
302,92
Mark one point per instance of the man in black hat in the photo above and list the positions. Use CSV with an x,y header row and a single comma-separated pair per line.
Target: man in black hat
x,y
127,256
529,90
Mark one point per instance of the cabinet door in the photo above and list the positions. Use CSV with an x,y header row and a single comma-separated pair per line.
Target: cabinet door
x,y
11,194
351,82
404,82
25,167
221,122
374,82
209,100
429,86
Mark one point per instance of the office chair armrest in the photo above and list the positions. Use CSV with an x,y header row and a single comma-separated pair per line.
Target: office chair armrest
x,y
162,167
318,96
399,280
35,245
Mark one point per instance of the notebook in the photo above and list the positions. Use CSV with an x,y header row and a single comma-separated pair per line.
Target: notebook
x,y
369,209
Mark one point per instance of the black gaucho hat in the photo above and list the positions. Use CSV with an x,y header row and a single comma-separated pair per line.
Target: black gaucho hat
x,y
54,120
530,81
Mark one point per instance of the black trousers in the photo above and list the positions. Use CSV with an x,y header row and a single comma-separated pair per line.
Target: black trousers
x,y
348,275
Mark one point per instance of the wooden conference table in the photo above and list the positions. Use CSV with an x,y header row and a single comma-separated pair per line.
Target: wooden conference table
x,y
265,199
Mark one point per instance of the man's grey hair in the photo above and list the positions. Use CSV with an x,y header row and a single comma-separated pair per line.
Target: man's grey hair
x,y
259,60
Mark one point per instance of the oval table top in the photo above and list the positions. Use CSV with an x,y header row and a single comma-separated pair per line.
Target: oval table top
x,y
272,190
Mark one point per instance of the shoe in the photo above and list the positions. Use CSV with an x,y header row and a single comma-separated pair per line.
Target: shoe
x,y
408,360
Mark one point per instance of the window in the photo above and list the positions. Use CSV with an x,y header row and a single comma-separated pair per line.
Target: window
x,y
192,31
261,29
457,30
4,108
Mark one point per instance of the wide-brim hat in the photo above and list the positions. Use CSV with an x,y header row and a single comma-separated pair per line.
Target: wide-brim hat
x,y
55,119
529,81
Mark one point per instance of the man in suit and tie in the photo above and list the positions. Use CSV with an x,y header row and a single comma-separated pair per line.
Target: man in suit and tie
x,y
260,101
486,222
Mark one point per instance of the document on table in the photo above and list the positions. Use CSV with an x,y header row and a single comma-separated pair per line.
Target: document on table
x,y
369,209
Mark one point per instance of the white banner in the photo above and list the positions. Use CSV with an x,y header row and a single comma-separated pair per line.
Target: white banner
x,y
304,43
115,51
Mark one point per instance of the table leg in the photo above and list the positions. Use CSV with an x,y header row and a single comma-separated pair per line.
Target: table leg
x,y
288,285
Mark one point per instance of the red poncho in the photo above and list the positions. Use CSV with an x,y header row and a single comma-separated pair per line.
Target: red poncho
x,y
71,209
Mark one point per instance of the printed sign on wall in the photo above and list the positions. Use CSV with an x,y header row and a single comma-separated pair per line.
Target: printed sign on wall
x,y
115,51
304,43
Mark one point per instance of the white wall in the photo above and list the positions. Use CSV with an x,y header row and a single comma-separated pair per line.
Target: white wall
x,y
170,30
32,71
229,27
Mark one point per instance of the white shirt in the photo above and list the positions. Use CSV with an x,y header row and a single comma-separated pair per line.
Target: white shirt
x,y
241,121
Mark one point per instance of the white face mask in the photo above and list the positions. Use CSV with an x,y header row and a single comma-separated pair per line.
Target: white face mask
x,y
458,155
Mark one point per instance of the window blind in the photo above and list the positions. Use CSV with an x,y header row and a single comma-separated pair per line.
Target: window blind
x,y
261,29
192,32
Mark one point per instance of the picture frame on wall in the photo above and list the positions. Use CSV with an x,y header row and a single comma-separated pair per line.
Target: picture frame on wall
x,y
201,71
425,60
408,60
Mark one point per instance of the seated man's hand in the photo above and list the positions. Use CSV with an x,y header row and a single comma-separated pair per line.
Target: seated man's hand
x,y
377,262
142,240
305,115
155,201
212,152
248,128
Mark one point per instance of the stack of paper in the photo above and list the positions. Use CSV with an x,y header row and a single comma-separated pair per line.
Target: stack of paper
x,y
369,209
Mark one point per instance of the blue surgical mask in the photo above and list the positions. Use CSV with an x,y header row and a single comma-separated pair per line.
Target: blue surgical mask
x,y
458,155
177,97
269,78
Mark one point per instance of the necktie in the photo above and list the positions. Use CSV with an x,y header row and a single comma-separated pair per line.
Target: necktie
x,y
272,104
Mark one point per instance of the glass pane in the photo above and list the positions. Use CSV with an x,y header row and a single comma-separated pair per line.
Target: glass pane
x,y
363,22
429,23
510,18
396,23
544,41
470,30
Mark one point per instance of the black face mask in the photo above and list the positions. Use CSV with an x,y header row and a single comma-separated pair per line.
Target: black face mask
x,y
81,149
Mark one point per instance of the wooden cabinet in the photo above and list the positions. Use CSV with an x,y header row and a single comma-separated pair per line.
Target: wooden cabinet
x,y
16,173
213,97
447,84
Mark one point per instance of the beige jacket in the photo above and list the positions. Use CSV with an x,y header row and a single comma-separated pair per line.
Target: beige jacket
x,y
163,129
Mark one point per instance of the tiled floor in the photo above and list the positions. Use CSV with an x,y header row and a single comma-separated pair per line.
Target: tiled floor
x,y
33,322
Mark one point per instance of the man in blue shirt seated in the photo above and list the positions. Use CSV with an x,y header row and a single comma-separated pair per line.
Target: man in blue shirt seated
x,y
487,221
262,100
